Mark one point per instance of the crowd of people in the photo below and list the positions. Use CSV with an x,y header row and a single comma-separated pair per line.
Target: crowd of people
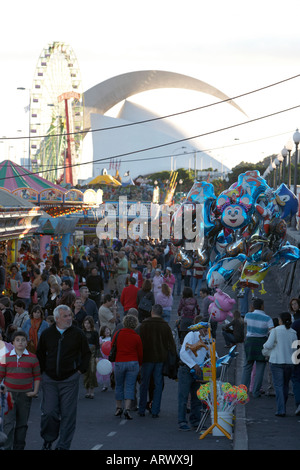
x,y
60,313
56,316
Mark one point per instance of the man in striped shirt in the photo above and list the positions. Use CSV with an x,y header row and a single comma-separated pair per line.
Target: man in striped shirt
x,y
258,327
20,372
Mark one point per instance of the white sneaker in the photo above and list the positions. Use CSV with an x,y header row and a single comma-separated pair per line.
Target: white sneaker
x,y
297,412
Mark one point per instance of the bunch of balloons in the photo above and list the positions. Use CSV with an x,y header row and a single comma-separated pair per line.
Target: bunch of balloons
x,y
203,394
232,395
104,366
227,395
243,229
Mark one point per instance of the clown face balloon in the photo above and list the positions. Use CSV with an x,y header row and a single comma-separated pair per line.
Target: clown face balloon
x,y
235,211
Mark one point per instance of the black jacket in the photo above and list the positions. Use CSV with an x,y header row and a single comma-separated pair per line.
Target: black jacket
x,y
157,339
61,355
95,284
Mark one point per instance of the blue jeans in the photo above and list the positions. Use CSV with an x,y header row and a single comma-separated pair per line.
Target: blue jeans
x,y
196,285
245,302
188,385
281,374
125,376
259,375
178,278
229,337
147,369
166,315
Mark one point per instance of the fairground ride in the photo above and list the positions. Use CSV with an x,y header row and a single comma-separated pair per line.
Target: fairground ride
x,y
56,115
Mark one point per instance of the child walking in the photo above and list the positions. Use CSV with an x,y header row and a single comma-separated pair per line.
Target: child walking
x,y
90,378
20,372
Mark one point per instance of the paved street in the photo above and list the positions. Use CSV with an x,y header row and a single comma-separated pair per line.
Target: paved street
x,y
99,429
256,426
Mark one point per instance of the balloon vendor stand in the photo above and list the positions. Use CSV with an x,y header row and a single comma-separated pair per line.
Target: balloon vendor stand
x,y
215,423
220,397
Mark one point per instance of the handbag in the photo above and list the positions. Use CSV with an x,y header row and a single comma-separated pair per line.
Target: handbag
x,y
170,366
267,352
113,351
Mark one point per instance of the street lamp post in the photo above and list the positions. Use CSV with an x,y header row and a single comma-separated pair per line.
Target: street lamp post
x,y
276,165
279,177
274,174
296,138
289,147
180,183
268,173
284,153
173,162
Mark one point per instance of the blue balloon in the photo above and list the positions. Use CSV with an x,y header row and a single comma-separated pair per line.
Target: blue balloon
x,y
252,183
225,360
223,270
287,254
285,203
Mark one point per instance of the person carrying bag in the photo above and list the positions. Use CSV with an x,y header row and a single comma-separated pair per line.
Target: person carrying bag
x,y
113,351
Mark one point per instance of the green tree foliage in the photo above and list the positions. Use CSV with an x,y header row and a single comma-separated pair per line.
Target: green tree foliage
x,y
219,184
243,167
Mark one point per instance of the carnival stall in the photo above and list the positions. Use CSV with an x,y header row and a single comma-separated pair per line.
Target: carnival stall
x,y
19,220
52,200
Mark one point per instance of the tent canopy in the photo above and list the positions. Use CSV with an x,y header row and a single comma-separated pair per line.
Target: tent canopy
x,y
105,179
14,177
55,199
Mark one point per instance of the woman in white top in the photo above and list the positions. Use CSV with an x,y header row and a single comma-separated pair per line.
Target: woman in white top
x,y
157,282
280,346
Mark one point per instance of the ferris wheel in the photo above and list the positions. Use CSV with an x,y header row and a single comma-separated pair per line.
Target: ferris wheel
x,y
56,114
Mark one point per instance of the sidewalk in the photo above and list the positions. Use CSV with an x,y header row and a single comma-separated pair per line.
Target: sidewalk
x,y
256,426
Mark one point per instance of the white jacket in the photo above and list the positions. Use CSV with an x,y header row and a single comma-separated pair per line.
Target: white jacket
x,y
280,343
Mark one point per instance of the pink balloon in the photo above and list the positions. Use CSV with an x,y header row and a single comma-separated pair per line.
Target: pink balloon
x,y
220,306
106,347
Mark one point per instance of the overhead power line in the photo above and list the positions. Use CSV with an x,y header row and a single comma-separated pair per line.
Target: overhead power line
x,y
192,152
154,147
119,126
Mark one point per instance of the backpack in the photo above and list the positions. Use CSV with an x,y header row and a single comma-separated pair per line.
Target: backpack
x,y
145,304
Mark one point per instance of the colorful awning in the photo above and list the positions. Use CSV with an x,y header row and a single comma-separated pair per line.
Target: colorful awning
x,y
14,177
53,198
